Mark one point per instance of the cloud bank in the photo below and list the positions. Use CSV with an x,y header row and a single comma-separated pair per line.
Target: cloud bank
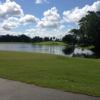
x,y
77,13
51,24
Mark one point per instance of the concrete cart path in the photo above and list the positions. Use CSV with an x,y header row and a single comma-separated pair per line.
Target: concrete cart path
x,y
12,90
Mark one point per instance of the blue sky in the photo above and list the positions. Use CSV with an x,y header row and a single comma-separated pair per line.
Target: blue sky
x,y
43,17
30,7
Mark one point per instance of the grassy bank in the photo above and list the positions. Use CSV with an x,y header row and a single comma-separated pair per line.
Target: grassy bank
x,y
50,43
68,74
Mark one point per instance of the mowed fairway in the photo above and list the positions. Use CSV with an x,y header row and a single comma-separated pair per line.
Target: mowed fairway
x,y
69,74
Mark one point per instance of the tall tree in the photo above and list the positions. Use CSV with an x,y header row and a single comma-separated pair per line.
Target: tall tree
x,y
90,29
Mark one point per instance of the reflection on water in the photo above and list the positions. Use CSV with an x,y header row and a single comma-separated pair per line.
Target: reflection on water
x,y
82,51
78,52
58,50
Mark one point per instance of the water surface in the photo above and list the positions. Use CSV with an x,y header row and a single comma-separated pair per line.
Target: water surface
x,y
26,47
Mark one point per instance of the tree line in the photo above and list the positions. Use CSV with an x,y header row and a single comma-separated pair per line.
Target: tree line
x,y
24,38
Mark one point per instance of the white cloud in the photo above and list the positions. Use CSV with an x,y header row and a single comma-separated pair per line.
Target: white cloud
x,y
10,8
28,19
10,23
12,16
51,19
13,22
5,32
36,32
40,1
77,13
45,33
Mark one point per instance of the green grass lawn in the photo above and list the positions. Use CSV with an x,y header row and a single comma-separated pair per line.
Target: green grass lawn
x,y
50,43
69,74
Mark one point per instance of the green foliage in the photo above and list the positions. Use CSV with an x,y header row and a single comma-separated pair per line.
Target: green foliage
x,y
69,39
90,28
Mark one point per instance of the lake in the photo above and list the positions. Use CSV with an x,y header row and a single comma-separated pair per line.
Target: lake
x,y
28,47
57,49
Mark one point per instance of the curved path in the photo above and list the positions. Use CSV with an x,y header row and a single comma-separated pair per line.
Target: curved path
x,y
12,90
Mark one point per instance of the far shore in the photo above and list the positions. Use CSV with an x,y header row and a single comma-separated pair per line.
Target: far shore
x,y
40,43
50,43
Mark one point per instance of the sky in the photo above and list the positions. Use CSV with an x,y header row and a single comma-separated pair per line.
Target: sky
x,y
43,17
